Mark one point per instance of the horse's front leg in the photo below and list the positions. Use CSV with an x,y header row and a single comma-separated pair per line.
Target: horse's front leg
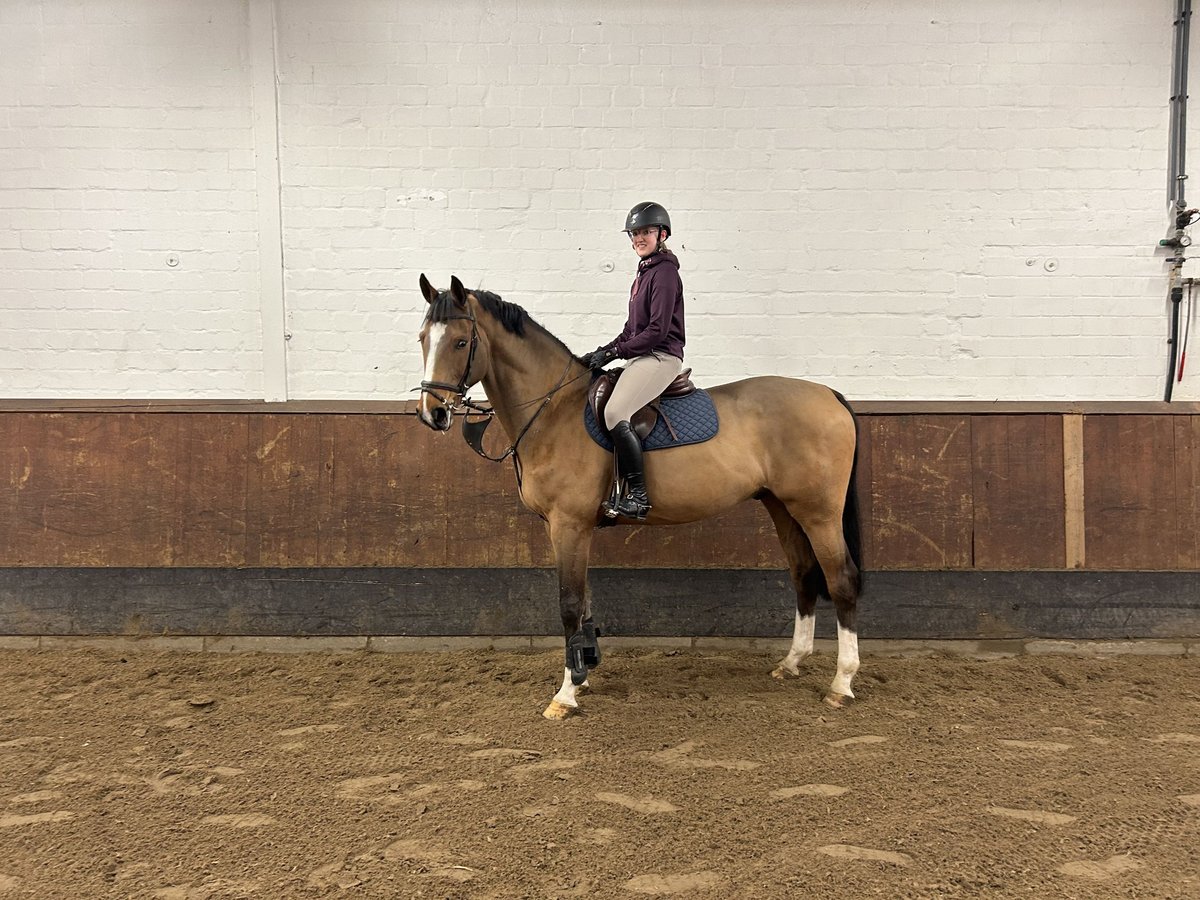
x,y
572,540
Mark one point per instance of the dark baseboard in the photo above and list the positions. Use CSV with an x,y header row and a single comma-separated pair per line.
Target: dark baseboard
x,y
631,602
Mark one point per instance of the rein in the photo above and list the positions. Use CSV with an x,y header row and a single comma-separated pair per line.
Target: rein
x,y
473,431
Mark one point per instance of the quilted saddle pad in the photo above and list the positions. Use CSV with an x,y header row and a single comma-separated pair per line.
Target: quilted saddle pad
x,y
693,418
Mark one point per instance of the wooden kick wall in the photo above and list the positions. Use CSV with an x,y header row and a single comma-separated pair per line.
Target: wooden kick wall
x,y
310,486
973,489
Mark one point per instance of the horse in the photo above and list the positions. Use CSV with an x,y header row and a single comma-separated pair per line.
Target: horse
x,y
788,443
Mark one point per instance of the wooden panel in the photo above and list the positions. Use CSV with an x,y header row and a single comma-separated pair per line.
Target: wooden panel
x,y
1130,483
364,479
461,509
921,492
742,538
871,551
209,487
62,507
355,489
1074,493
1187,492
1018,492
284,509
17,460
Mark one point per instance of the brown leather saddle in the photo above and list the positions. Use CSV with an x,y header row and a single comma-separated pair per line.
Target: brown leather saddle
x,y
646,418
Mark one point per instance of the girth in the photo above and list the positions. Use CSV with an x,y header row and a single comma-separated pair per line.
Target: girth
x,y
644,420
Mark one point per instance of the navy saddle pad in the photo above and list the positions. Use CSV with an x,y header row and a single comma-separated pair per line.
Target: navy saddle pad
x,y
693,417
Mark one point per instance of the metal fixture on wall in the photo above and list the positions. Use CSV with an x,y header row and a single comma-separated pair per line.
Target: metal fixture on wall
x,y
1181,216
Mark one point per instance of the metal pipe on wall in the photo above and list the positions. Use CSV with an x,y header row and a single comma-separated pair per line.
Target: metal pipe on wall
x,y
1177,176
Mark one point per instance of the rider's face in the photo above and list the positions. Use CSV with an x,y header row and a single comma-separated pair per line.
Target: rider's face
x,y
645,240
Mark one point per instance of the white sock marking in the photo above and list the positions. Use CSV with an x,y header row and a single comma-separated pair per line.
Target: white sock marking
x,y
566,693
847,662
802,643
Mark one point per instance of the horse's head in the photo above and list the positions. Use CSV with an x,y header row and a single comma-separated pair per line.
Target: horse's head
x,y
454,351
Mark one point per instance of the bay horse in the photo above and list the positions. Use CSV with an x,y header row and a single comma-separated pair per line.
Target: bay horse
x,y
789,443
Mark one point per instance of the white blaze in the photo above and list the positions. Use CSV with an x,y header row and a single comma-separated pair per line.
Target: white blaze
x,y
437,331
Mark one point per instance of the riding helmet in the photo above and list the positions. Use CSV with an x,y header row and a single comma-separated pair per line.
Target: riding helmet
x,y
648,214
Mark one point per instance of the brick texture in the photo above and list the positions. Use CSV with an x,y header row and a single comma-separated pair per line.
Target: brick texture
x,y
905,201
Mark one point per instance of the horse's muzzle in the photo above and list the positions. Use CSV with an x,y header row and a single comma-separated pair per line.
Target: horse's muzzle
x,y
438,418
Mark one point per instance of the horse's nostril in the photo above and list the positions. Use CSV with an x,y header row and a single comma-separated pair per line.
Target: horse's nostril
x,y
441,418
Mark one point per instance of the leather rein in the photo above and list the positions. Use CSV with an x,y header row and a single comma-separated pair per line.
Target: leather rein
x,y
473,431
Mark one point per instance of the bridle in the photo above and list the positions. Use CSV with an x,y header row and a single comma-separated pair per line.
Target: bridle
x,y
473,431
428,387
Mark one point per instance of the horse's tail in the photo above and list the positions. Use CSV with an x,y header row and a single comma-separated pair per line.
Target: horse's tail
x,y
814,578
851,525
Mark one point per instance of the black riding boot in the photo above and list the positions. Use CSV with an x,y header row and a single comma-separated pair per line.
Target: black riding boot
x,y
633,502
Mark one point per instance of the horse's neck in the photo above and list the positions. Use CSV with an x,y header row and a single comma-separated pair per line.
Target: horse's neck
x,y
522,372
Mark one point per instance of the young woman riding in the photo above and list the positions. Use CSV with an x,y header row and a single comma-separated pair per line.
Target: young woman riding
x,y
652,340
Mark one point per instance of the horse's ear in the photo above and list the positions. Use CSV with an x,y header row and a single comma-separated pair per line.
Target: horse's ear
x,y
457,291
428,289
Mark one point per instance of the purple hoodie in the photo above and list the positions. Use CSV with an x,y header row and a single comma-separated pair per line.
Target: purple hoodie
x,y
655,310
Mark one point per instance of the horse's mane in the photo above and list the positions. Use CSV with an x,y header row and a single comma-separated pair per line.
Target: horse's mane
x,y
512,317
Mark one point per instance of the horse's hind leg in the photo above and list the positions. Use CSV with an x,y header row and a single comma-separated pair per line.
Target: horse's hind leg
x,y
806,578
820,564
843,583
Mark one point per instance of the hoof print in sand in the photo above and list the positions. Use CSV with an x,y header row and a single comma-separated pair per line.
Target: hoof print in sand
x,y
239,820
672,884
1175,737
865,854
1101,870
45,818
1031,815
863,740
1048,746
680,757
810,790
646,805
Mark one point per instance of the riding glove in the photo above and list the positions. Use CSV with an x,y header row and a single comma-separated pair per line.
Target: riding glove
x,y
599,358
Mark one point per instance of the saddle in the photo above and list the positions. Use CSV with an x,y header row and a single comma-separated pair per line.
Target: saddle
x,y
644,420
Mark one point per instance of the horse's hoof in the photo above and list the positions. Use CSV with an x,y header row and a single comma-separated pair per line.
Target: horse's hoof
x,y
838,701
558,711
782,672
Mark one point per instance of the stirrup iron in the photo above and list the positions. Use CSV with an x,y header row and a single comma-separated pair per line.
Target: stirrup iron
x,y
626,504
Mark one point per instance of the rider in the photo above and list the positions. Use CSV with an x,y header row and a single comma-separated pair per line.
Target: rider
x,y
652,341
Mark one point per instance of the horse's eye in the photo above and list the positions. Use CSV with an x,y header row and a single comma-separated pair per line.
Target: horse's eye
x,y
461,344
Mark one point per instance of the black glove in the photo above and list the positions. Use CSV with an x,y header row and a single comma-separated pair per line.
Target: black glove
x,y
599,358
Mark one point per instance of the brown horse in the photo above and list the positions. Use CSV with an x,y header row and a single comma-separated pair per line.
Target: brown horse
x,y
789,443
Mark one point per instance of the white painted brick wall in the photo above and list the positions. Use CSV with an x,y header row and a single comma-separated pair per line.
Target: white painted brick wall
x,y
125,140
865,194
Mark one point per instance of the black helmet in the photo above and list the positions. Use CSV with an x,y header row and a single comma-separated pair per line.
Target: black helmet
x,y
648,214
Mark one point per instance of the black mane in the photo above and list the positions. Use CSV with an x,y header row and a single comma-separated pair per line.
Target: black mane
x,y
512,317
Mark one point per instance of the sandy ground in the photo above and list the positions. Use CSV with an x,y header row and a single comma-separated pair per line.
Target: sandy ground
x,y
188,776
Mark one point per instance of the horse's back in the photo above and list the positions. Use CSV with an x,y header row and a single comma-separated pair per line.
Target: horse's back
x,y
789,423
777,396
